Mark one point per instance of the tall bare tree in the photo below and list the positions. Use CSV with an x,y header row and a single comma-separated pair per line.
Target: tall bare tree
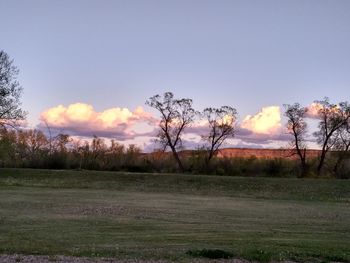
x,y
221,123
10,92
342,146
176,116
332,118
297,127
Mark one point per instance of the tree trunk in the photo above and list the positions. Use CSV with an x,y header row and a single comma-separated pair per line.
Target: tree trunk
x,y
177,158
338,163
210,155
320,164
302,156
340,159
304,169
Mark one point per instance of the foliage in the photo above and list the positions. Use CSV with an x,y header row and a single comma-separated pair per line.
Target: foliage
x,y
10,92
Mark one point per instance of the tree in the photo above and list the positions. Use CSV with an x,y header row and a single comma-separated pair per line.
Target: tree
x,y
132,155
7,146
332,118
176,116
342,147
10,92
60,142
297,127
221,123
34,142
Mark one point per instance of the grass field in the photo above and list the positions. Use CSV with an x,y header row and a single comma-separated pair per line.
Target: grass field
x,y
163,216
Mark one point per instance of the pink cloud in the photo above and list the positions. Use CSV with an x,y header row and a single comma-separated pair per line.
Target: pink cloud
x,y
82,120
263,127
313,109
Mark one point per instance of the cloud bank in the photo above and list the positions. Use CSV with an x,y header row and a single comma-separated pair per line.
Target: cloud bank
x,y
81,119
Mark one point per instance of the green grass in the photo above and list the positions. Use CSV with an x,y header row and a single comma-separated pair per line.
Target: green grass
x,y
164,216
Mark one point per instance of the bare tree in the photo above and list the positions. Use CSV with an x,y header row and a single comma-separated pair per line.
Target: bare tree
x,y
176,116
60,142
342,146
98,147
297,127
10,92
332,118
221,123
32,145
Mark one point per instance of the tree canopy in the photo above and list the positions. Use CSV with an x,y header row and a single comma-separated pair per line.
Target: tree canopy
x,y
10,92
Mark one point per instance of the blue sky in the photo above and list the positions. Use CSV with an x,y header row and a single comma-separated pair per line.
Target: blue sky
x,y
246,54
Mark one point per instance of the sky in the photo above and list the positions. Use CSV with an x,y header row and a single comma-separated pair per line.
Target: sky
x,y
87,67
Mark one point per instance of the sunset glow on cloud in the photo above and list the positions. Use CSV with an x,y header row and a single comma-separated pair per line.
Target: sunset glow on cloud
x,y
313,109
82,119
267,121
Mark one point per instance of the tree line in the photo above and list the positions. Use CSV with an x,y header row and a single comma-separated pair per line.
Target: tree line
x,y
32,148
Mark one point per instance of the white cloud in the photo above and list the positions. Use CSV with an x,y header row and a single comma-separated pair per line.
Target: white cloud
x,y
266,121
81,119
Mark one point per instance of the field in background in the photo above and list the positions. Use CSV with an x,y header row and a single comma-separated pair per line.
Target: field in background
x,y
163,216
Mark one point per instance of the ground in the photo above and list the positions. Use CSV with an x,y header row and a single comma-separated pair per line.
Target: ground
x,y
166,217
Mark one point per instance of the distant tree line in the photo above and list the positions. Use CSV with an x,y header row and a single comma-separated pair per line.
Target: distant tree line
x,y
32,148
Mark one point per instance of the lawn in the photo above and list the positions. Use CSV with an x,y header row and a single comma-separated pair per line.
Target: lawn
x,y
164,216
